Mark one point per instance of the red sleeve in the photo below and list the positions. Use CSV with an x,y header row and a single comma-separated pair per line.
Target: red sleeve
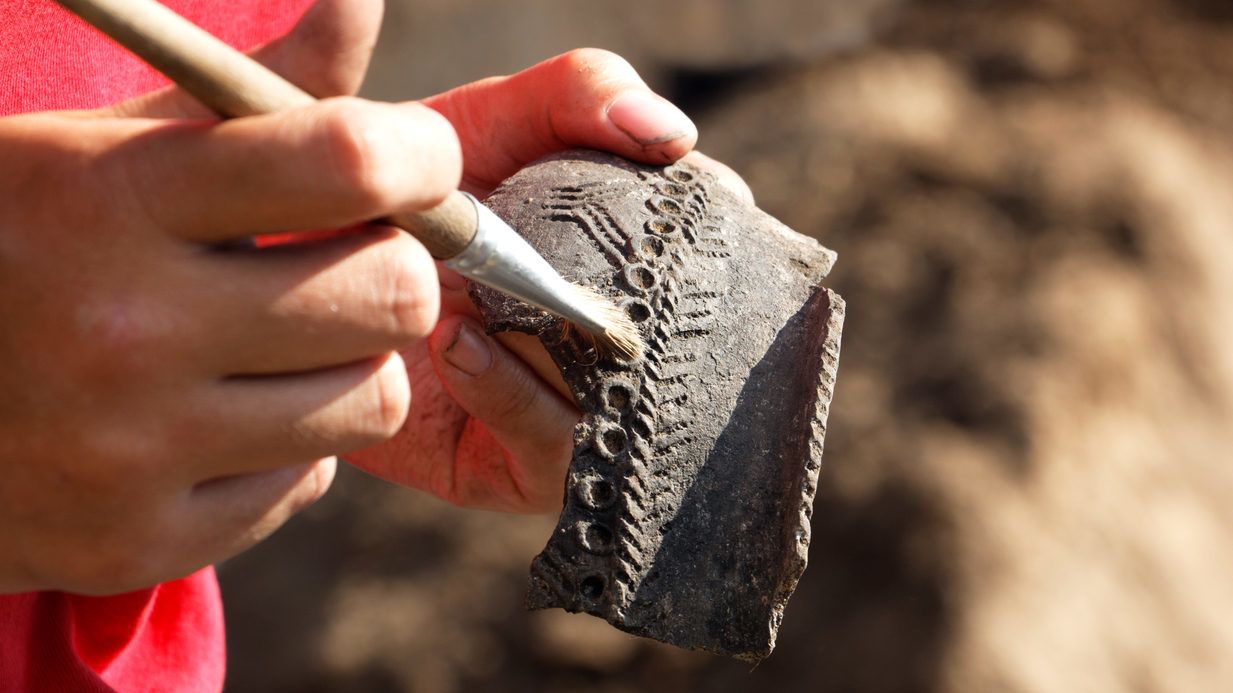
x,y
169,637
166,638
51,60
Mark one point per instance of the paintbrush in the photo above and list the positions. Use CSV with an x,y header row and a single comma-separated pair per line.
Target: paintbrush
x,y
461,231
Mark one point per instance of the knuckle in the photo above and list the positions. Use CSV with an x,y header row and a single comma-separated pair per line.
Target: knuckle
x,y
353,133
414,292
126,335
592,64
440,152
391,400
117,459
314,485
387,157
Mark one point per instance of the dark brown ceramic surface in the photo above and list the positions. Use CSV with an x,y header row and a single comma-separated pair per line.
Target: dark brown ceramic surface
x,y
687,505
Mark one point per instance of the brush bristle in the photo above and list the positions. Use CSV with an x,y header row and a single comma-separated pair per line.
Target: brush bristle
x,y
617,334
622,340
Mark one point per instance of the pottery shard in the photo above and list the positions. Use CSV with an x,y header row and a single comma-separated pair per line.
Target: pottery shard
x,y
687,503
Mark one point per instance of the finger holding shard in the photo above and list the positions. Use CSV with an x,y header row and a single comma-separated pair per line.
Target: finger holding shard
x,y
687,503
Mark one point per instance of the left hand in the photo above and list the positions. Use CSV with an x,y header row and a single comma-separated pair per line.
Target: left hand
x,y
491,422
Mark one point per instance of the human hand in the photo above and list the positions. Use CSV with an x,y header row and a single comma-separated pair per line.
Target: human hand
x,y
491,424
168,402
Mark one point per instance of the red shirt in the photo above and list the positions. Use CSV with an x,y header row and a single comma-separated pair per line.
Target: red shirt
x,y
168,637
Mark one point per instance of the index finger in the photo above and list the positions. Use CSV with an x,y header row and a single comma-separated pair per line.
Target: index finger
x,y
331,164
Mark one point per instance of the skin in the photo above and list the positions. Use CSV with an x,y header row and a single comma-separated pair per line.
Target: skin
x,y
172,397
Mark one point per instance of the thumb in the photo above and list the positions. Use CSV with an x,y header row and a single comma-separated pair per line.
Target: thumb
x,y
585,98
529,421
326,54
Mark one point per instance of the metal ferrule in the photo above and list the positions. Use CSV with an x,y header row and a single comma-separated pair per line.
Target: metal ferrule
x,y
500,258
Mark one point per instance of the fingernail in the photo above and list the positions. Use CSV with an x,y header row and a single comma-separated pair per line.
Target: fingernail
x,y
469,352
648,119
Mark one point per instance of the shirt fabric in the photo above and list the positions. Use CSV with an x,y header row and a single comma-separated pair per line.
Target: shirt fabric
x,y
168,637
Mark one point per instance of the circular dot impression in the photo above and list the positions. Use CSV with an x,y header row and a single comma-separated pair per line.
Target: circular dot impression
x,y
614,441
661,227
597,538
669,206
649,247
592,587
601,493
638,311
619,397
640,277
673,189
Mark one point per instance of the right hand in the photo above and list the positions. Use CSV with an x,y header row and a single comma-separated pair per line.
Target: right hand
x,y
165,402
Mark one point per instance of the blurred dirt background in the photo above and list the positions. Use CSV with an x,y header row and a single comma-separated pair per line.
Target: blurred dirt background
x,y
1028,482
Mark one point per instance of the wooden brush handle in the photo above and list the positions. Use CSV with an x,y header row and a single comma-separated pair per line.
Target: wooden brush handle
x,y
234,85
